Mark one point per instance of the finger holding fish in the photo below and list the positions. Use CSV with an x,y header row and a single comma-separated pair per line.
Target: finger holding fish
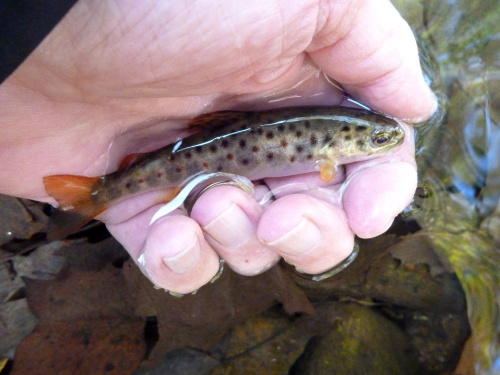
x,y
371,203
229,218
310,233
173,252
377,190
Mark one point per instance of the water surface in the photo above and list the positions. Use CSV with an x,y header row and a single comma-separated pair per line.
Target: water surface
x,y
459,155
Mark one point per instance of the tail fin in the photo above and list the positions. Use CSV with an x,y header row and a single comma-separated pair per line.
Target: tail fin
x,y
73,193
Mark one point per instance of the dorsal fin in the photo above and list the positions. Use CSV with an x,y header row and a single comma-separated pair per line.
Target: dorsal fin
x,y
130,159
215,120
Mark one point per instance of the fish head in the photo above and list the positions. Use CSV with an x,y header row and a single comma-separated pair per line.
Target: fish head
x,y
360,141
386,137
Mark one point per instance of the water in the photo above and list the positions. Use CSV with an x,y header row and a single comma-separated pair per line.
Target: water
x,y
459,155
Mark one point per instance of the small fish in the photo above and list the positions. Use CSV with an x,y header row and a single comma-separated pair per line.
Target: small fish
x,y
277,142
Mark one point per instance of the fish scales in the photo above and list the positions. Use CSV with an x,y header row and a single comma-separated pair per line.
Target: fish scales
x,y
256,145
276,142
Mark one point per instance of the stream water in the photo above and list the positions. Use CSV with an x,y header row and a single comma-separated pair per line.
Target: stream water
x,y
459,155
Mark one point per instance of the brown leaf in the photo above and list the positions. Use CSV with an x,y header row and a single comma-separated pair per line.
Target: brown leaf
x,y
104,346
87,326
200,321
77,294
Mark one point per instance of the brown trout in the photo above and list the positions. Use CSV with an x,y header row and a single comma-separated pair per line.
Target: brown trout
x,y
272,143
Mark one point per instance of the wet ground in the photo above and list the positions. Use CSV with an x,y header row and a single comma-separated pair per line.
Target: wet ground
x,y
407,305
80,306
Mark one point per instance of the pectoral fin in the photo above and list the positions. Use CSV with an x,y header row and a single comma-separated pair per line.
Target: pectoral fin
x,y
327,170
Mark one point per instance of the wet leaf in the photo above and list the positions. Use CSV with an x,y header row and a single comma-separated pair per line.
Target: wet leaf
x,y
410,274
200,321
21,219
76,294
16,321
93,256
95,346
86,325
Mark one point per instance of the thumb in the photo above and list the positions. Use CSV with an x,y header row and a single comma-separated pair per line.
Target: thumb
x,y
369,49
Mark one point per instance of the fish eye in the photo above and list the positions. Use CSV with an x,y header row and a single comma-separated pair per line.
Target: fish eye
x,y
381,138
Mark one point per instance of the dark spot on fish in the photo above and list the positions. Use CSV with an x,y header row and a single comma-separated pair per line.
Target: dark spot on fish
x,y
347,138
187,155
307,124
281,127
333,144
292,127
213,148
205,164
309,156
141,181
361,128
299,148
292,159
160,175
178,169
327,139
298,133
284,143
132,186
219,168
198,149
255,149
230,157
360,143
245,161
224,143
260,131
172,158
345,128
270,155
243,143
314,139
269,135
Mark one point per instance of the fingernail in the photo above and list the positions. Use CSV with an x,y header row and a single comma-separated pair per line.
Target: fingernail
x,y
232,228
302,239
185,260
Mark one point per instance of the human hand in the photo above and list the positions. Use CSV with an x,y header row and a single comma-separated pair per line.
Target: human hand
x,y
123,77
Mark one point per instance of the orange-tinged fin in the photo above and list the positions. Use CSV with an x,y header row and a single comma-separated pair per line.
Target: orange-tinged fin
x,y
129,160
215,120
77,208
326,171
